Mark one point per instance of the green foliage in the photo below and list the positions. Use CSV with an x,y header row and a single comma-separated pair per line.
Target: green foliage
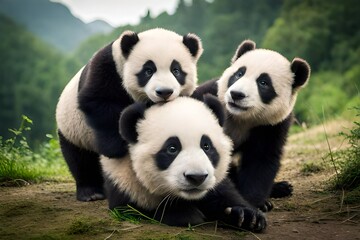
x,y
130,214
79,226
313,101
310,168
18,163
348,171
32,76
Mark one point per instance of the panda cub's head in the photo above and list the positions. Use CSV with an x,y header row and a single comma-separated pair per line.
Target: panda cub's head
x,y
178,148
261,85
157,64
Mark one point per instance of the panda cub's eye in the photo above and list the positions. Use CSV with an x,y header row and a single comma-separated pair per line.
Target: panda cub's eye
x,y
176,72
172,150
263,83
240,73
206,146
149,72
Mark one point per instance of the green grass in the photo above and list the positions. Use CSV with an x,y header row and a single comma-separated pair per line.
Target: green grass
x,y
310,168
19,164
131,214
347,176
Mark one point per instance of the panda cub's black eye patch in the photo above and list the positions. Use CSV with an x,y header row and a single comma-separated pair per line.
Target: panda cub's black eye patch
x,y
147,71
209,149
266,89
177,71
168,152
237,75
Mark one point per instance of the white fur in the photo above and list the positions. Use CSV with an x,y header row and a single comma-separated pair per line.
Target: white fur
x,y
122,175
162,47
70,120
189,120
259,61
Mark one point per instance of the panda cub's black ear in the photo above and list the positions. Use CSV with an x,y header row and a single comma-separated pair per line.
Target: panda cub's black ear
x,y
245,46
128,39
301,70
193,43
216,107
128,120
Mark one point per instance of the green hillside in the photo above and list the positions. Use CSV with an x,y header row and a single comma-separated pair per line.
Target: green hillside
x,y
32,76
52,22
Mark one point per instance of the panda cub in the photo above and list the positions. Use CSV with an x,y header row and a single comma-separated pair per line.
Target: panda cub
x,y
177,164
259,91
152,66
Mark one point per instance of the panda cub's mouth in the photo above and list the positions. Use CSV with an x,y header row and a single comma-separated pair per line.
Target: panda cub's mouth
x,y
193,190
237,107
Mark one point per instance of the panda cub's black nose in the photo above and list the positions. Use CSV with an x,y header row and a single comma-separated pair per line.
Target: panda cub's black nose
x,y
195,179
237,95
164,93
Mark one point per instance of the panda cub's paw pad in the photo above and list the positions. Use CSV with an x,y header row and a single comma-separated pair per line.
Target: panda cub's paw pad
x,y
87,194
247,218
267,207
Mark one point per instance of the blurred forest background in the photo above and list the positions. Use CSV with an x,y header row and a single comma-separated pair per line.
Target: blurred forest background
x,y
42,46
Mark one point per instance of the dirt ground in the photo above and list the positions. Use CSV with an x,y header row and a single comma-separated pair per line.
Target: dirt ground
x,y
49,210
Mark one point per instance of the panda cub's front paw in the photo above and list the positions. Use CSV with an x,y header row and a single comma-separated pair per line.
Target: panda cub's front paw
x,y
246,218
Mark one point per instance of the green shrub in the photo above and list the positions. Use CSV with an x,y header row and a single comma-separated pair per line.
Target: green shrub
x,y
348,174
19,164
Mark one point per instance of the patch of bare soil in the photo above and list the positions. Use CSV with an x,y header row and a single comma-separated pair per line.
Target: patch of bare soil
x,y
49,210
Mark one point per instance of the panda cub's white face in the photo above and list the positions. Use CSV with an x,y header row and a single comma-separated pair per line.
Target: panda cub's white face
x,y
258,86
181,149
160,67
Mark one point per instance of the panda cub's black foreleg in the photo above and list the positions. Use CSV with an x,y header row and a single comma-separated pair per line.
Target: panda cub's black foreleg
x,y
224,203
85,167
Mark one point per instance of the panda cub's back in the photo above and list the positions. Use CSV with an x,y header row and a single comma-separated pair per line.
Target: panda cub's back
x,y
70,120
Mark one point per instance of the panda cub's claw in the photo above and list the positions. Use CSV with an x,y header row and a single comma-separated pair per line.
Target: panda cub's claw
x,y
87,194
267,207
247,218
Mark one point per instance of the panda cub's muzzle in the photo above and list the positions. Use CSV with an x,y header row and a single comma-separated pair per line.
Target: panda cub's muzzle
x,y
235,101
164,93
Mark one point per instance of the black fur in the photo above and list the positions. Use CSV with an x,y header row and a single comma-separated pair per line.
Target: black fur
x,y
237,75
128,120
214,104
177,71
301,69
102,98
266,89
147,71
208,87
244,47
192,44
281,189
168,152
260,161
127,43
85,167
210,150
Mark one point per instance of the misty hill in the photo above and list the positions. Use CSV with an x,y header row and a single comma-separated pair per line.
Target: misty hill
x,y
52,22
32,76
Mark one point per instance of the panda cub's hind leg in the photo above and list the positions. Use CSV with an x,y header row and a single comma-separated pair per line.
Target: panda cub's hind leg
x,y
85,167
